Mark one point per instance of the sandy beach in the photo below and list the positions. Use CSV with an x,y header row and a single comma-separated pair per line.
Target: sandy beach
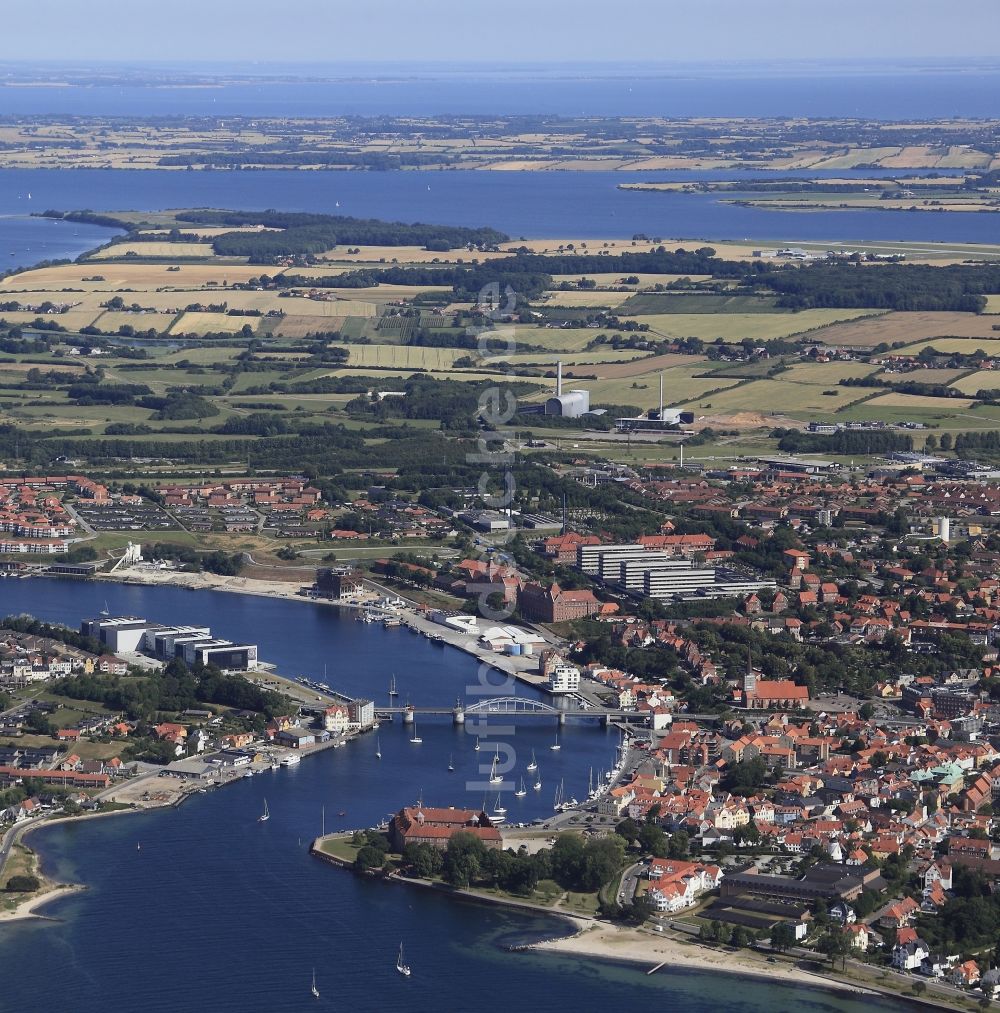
x,y
28,908
610,942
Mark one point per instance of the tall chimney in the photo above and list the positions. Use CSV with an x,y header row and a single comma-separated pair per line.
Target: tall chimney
x,y
559,379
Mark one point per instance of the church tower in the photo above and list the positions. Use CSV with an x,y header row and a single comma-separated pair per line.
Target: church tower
x,y
749,680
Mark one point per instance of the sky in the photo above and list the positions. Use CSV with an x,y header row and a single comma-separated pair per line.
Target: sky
x,y
391,32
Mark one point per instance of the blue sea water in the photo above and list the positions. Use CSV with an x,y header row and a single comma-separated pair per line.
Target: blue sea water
x,y
907,93
534,204
233,915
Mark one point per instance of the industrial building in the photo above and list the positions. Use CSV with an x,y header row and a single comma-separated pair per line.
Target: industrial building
x,y
571,404
194,644
656,420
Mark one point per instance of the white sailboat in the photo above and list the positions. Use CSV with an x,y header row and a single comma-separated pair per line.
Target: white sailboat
x,y
414,738
538,783
557,802
477,744
265,815
556,745
534,763
392,687
499,813
105,611
403,969
378,748
451,762
495,778
521,791
314,989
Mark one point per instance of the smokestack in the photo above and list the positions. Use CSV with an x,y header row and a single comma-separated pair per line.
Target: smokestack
x,y
660,416
559,379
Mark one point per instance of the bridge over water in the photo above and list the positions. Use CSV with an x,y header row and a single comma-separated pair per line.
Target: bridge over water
x,y
511,708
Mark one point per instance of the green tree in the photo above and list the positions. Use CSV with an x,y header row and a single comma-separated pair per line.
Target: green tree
x,y
463,859
782,936
22,884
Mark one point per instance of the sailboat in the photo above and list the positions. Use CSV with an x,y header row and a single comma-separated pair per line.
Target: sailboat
x,y
499,812
534,763
451,762
378,748
314,989
557,802
477,743
105,611
392,687
556,745
538,782
265,815
495,778
521,792
414,738
400,966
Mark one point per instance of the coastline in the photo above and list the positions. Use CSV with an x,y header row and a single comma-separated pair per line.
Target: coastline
x,y
28,908
286,590
605,941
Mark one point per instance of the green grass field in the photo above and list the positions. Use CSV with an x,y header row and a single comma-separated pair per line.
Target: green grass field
x,y
778,395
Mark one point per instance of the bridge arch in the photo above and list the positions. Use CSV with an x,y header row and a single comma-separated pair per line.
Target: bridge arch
x,y
511,705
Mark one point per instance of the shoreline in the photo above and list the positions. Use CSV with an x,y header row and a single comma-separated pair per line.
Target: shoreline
x,y
288,591
28,908
601,940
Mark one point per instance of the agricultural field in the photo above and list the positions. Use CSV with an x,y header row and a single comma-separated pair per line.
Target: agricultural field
x,y
991,346
737,326
199,324
894,399
896,326
153,249
585,298
827,373
982,379
403,356
114,276
788,397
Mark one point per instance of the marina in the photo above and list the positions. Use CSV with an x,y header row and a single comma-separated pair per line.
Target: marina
x,y
202,852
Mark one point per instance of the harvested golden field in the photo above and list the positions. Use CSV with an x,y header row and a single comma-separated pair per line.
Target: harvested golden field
x,y
299,326
736,326
991,346
73,320
303,307
585,298
200,324
896,400
137,276
159,250
982,379
403,356
910,327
